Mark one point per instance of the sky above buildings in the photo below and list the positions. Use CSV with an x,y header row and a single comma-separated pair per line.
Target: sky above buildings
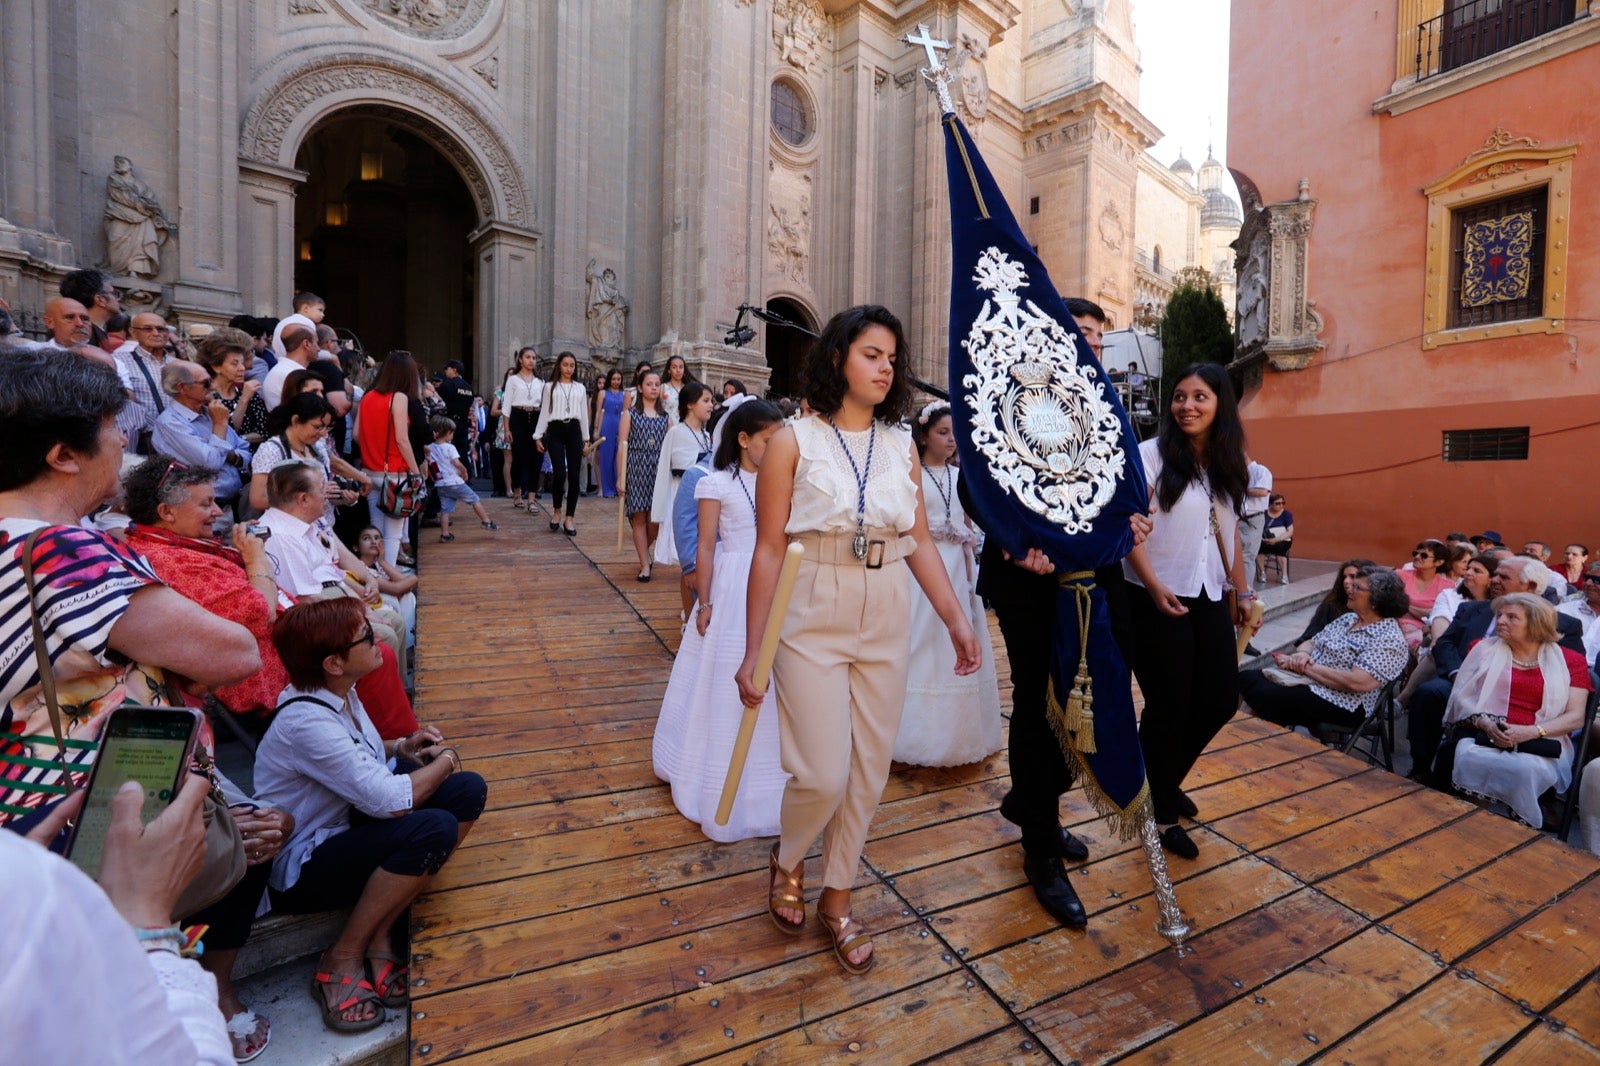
x,y
1183,50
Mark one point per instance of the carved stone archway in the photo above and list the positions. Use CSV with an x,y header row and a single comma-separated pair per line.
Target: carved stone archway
x,y
311,87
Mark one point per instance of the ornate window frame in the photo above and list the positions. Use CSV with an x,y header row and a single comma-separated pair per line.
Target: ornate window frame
x,y
1504,165
795,155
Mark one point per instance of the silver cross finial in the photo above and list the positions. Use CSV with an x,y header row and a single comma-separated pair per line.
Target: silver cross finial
x,y
935,74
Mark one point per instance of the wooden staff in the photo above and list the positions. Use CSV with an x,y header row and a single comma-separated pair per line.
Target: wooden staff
x,y
764,657
622,491
1248,631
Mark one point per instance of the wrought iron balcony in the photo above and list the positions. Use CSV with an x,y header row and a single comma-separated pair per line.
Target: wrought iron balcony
x,y
1472,29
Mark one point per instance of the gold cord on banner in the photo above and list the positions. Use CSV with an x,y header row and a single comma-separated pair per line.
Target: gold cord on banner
x,y
966,161
1073,721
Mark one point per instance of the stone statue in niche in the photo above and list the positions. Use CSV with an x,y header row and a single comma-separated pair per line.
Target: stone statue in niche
x,y
1251,310
136,225
607,307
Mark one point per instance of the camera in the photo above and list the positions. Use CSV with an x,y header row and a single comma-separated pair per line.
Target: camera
x,y
257,530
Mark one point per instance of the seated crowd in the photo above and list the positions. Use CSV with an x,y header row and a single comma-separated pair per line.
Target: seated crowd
x,y
1491,655
195,537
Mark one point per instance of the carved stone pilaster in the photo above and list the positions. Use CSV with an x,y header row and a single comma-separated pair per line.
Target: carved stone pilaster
x,y
1278,323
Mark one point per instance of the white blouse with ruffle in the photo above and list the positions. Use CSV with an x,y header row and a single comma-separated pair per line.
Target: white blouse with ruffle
x,y
825,486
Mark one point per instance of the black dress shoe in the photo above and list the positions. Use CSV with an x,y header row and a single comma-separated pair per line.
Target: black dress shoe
x,y
1185,806
1175,840
1049,880
1073,849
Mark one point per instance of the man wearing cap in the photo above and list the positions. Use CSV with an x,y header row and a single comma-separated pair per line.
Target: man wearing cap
x,y
456,392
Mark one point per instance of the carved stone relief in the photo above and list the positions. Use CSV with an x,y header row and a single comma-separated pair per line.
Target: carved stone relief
x,y
607,308
306,7
789,225
1276,318
800,33
489,71
971,79
428,19
303,88
1113,234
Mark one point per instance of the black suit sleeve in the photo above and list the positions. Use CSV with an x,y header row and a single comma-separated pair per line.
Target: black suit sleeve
x,y
1571,631
1452,646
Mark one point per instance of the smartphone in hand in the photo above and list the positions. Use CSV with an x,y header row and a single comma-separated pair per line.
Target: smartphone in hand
x,y
150,745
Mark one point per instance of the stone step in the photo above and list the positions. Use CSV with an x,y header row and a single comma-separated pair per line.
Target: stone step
x,y
279,938
282,995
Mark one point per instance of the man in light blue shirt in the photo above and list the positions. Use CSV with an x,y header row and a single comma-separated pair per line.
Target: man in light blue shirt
x,y
194,429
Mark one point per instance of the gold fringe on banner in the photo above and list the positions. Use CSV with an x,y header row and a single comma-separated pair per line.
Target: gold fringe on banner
x,y
966,161
1072,721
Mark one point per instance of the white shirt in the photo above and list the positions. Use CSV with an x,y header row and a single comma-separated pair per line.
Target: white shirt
x,y
289,323
272,388
303,556
77,986
1581,610
1181,548
519,393
1260,478
318,764
444,456
826,488
564,399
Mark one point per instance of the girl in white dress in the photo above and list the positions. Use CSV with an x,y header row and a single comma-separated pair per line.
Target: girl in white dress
x,y
948,720
701,712
685,444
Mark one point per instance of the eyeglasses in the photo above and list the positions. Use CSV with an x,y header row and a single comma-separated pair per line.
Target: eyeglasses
x,y
1421,555
366,637
149,329
171,466
1591,579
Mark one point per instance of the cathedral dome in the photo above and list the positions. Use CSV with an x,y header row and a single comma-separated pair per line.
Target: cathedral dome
x,y
1182,166
1220,209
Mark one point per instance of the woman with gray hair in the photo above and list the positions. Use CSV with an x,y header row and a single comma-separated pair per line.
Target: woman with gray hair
x,y
1335,676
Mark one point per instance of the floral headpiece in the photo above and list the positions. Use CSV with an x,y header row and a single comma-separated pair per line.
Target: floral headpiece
x,y
934,410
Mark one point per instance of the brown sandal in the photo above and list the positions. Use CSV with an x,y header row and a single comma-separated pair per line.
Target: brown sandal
x,y
847,934
790,893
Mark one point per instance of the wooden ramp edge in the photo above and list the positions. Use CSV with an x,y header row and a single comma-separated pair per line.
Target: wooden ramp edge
x,y
1340,912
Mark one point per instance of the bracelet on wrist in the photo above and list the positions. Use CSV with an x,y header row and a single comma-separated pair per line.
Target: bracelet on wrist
x,y
162,938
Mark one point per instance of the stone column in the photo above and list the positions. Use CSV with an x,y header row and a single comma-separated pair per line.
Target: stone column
x,y
507,261
207,275
266,231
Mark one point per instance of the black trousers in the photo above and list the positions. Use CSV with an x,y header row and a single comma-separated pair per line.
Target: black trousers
x,y
525,462
1040,774
232,916
1292,705
1189,674
563,441
1425,730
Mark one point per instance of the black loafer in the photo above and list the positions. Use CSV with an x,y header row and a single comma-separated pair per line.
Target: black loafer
x,y
1185,806
1073,849
1049,880
1175,840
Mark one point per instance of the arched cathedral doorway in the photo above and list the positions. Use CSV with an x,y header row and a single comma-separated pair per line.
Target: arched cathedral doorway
x,y
382,228
787,346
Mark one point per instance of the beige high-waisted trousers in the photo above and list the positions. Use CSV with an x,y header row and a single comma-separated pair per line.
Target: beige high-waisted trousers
x,y
840,681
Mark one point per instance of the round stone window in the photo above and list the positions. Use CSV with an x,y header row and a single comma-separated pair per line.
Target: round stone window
x,y
791,119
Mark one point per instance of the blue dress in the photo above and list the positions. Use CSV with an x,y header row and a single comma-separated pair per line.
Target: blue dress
x,y
610,427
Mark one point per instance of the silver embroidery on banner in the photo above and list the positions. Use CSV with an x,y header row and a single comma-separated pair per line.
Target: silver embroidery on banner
x,y
1039,416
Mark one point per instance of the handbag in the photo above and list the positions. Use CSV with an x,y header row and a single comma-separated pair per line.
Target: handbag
x,y
400,495
224,865
1545,747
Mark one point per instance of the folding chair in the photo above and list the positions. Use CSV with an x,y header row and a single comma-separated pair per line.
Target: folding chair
x,y
1580,750
1377,728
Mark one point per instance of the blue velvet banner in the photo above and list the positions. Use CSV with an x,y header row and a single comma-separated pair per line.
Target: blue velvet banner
x,y
1050,461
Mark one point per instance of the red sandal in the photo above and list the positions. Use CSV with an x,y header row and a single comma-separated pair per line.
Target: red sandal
x,y
360,992
387,977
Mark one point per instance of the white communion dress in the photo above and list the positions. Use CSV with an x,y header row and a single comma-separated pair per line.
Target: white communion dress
x,y
948,720
701,711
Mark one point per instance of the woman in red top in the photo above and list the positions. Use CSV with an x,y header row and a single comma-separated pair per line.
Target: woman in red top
x,y
1517,697
383,433
172,507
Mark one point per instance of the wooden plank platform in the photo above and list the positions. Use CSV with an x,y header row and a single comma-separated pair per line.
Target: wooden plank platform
x,y
1340,912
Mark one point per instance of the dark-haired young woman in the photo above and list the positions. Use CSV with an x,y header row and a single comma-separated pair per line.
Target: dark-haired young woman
x,y
840,483
686,443
562,429
1184,656
644,427
607,423
521,396
391,416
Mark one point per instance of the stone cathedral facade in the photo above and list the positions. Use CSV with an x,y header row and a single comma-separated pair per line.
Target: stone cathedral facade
x,y
611,177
